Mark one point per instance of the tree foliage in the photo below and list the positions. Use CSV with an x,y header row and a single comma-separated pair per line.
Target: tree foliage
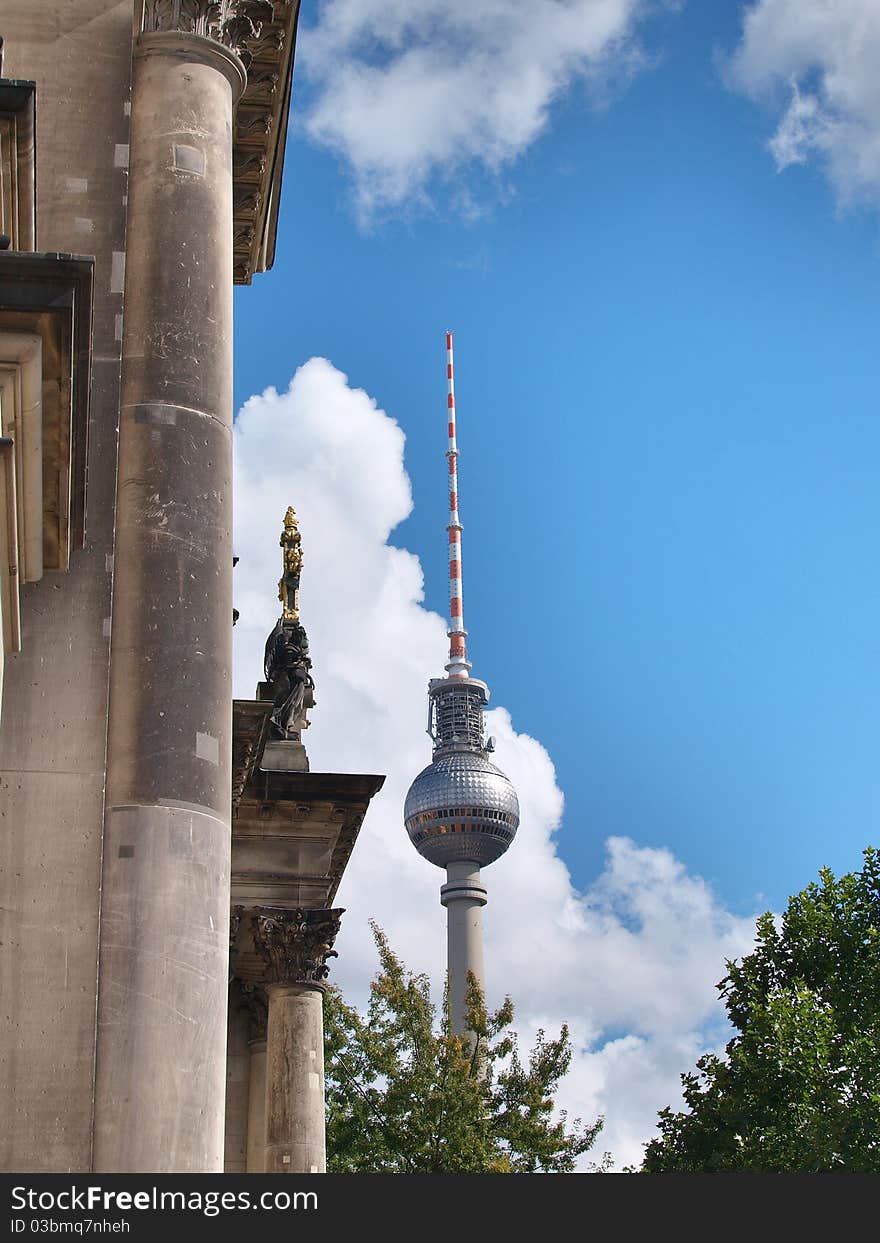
x,y
799,1088
406,1095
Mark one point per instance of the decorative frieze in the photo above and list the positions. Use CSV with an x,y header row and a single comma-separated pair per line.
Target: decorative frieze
x,y
295,944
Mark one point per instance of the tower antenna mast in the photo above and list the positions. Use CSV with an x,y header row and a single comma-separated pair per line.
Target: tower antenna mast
x,y
458,662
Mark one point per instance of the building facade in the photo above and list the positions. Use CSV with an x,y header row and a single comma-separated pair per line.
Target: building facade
x,y
141,153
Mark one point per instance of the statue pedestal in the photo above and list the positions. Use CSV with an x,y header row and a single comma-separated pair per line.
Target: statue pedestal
x,y
264,693
284,756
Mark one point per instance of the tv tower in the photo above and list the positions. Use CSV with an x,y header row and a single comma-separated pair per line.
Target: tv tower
x,y
461,812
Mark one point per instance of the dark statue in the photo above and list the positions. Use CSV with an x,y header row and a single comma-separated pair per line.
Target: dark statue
x,y
287,667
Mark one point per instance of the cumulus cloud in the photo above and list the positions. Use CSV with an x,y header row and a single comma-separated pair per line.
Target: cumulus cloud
x,y
632,962
412,93
818,61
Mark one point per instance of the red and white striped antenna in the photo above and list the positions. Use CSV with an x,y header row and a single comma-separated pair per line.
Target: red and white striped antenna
x,y
458,662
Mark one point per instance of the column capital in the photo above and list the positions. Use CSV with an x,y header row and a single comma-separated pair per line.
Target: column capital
x,y
295,944
234,23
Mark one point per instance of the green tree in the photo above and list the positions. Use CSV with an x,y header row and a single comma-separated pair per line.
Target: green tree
x,y
406,1095
799,1088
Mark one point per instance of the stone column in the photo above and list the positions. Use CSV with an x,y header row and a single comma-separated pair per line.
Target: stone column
x,y
256,1137
163,966
237,1083
295,946
464,897
256,1125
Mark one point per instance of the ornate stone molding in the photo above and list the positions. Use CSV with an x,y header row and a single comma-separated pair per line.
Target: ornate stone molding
x,y
295,944
234,23
247,164
259,139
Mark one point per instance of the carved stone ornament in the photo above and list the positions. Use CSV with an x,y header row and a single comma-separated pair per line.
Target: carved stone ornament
x,y
248,164
250,122
295,945
246,198
234,924
243,234
257,1004
230,22
262,81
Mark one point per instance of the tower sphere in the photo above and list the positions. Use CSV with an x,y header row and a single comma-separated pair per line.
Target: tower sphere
x,y
461,808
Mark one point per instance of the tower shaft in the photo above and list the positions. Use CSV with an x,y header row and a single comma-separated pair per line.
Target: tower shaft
x,y
464,897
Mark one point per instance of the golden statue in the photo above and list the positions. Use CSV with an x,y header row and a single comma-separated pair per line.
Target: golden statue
x,y
288,585
287,662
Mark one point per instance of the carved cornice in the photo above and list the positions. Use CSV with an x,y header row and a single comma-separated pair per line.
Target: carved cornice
x,y
250,722
352,819
258,142
295,944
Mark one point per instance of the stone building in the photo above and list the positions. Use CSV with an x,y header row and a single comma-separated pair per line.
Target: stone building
x,y
141,153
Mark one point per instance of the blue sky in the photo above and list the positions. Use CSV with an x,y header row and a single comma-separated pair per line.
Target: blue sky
x,y
666,373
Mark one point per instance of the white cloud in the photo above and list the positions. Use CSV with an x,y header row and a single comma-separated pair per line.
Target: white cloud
x,y
414,93
822,59
631,964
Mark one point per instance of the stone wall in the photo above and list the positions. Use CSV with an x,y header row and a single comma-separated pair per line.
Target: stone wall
x,y
53,740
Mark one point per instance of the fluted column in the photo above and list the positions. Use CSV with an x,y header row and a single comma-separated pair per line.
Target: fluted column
x,y
295,946
163,967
